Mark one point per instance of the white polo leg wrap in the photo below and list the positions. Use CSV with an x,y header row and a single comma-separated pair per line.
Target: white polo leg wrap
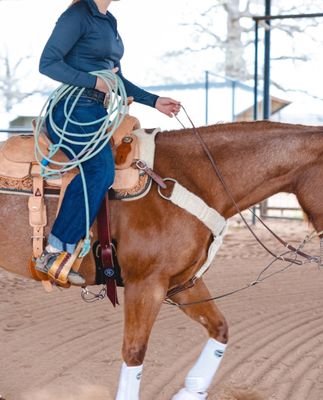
x,y
200,376
184,394
129,383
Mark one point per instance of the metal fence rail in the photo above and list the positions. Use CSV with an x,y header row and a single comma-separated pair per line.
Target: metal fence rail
x,y
13,131
281,211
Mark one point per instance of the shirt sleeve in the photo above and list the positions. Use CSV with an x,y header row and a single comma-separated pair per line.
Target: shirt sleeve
x,y
67,31
139,95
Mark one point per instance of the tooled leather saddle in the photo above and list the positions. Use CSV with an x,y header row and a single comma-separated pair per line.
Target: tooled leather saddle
x,y
21,173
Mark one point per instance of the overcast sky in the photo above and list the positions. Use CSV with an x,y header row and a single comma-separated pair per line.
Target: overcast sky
x,y
149,28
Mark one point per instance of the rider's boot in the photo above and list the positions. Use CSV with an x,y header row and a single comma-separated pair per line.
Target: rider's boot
x,y
49,259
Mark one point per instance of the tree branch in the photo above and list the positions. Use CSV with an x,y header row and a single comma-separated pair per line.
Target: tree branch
x,y
294,58
280,87
186,50
213,7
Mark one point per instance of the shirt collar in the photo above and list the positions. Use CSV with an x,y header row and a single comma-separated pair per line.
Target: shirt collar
x,y
95,11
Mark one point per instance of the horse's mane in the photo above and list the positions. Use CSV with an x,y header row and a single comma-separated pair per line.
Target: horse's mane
x,y
243,127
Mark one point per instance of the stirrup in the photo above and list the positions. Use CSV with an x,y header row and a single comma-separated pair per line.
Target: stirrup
x,y
61,269
43,262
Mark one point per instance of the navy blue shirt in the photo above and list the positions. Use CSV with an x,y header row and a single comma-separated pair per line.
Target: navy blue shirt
x,y
85,40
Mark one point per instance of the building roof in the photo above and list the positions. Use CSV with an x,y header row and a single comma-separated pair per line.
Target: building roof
x,y
277,104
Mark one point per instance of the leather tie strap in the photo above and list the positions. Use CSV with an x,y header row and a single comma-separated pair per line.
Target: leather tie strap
x,y
37,211
103,224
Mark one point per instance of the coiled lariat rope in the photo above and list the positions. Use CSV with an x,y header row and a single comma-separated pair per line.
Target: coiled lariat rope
x,y
117,108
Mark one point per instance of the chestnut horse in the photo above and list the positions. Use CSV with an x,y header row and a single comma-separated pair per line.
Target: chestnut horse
x,y
161,245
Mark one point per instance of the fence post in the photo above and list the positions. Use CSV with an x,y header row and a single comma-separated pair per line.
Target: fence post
x,y
206,97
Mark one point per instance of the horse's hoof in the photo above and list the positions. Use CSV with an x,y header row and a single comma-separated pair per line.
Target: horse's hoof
x,y
184,394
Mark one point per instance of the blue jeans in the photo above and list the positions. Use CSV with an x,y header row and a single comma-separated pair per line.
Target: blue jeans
x,y
70,224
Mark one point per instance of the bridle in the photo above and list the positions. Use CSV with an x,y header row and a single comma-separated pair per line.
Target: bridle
x,y
296,251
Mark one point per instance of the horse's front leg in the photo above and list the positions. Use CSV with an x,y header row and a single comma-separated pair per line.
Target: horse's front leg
x,y
143,300
200,376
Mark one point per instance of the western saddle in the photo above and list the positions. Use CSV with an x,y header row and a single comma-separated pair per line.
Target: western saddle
x,y
20,173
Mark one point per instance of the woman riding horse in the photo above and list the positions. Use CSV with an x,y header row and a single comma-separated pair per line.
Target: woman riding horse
x,y
85,39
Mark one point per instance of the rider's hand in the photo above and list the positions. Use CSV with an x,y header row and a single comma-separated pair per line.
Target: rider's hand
x,y
168,106
101,85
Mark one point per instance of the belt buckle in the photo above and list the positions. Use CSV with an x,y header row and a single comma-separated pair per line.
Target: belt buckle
x,y
106,100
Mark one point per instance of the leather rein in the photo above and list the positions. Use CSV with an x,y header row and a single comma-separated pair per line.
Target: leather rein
x,y
288,246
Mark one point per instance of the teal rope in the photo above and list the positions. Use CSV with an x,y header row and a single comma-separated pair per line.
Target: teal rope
x,y
117,109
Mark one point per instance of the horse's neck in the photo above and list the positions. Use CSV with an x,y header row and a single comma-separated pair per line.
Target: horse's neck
x,y
256,160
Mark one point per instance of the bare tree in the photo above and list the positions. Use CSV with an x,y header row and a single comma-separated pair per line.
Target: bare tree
x,y
11,79
239,34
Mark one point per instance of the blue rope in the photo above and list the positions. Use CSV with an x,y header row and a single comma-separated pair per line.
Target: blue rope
x,y
117,109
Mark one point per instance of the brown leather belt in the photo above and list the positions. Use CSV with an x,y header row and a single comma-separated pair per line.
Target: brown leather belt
x,y
90,94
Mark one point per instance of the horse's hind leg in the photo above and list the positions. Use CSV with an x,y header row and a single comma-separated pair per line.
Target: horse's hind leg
x,y
143,300
199,378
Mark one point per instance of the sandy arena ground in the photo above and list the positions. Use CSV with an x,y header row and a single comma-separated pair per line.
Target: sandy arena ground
x,y
55,346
